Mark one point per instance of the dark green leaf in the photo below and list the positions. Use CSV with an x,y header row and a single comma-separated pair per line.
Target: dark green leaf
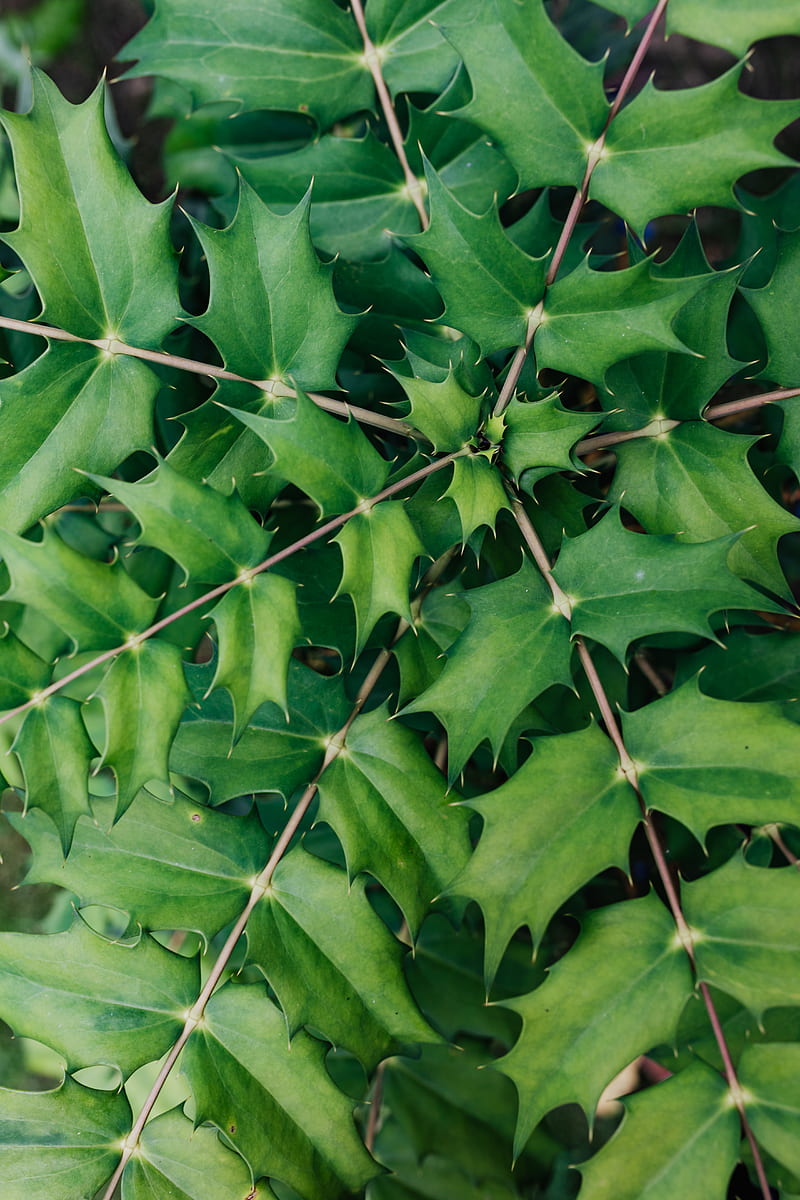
x,y
769,1075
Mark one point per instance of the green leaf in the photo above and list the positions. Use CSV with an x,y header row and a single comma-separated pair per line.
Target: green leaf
x,y
275,1101
695,482
565,816
61,1144
471,259
331,961
258,626
477,491
734,24
97,605
271,313
331,460
441,408
745,933
22,673
513,619
414,56
174,1159
624,586
713,762
95,1001
409,838
97,251
748,666
539,438
558,109
772,304
576,1038
669,151
143,683
303,56
55,753
169,866
680,1138
379,548
768,1075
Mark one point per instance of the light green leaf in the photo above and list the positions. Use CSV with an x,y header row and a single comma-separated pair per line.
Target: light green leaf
x,y
733,24
55,753
303,56
513,50
143,695
331,460
769,1076
714,762
565,816
271,313
575,1038
97,251
409,838
275,1101
772,305
95,1001
670,151
539,438
169,866
62,1144
511,620
331,961
177,1161
414,56
477,491
680,1138
22,673
379,549
624,586
441,408
747,938
97,605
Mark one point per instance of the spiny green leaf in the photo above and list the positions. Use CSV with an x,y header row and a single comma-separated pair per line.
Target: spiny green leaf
x,y
55,753
680,1138
713,762
258,626
271,313
97,251
22,673
331,961
625,586
95,1001
441,408
566,815
576,1038
477,491
379,549
409,838
746,930
414,56
513,619
331,460
61,1144
303,56
143,695
669,151
275,1102
748,666
733,24
769,1075
772,305
539,438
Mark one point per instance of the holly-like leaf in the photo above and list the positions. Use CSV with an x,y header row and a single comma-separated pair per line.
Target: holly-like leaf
x,y
575,1039
414,56
271,313
97,605
746,935
513,619
539,437
546,832
748,666
625,586
379,549
303,56
275,1102
440,407
669,151
61,1144
680,1138
559,108
733,24
771,304
409,838
55,753
695,482
471,257
769,1076
143,694
97,251
95,1001
331,961
477,491
169,866
714,762
22,673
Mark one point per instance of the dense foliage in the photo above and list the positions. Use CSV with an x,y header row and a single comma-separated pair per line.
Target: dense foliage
x,y
398,565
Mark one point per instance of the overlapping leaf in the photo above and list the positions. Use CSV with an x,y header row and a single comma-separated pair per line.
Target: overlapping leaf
x,y
539,438
55,753
477,492
769,1075
772,304
734,24
414,56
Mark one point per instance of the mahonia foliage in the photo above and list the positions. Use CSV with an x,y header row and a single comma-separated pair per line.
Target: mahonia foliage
x,y
399,654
